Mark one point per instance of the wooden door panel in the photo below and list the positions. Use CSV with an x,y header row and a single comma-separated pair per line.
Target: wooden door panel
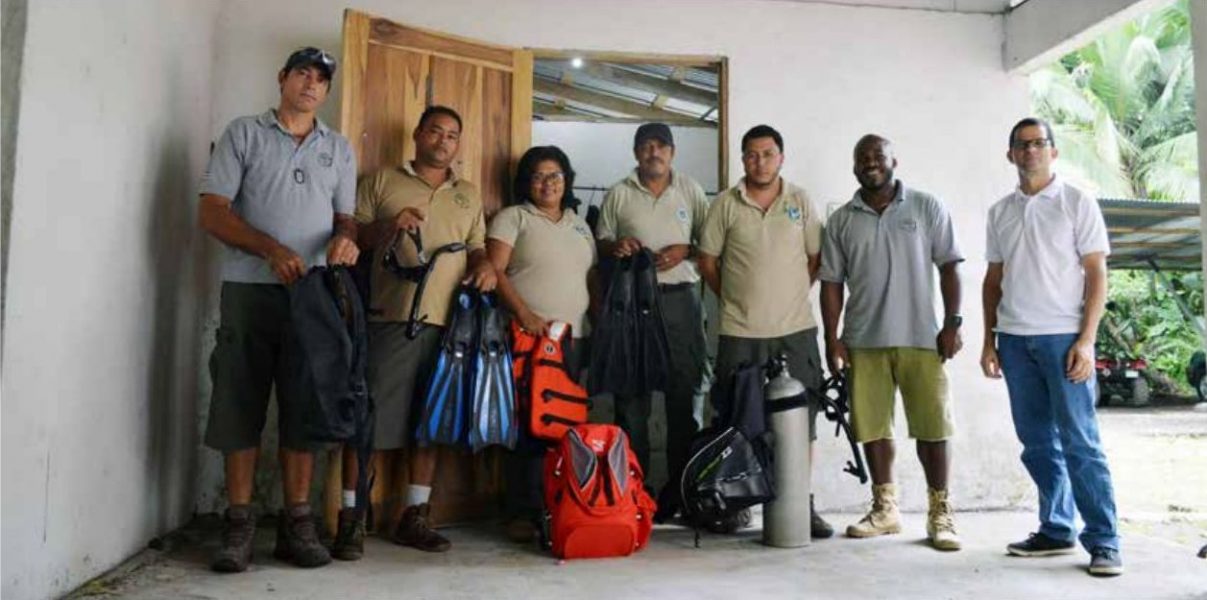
x,y
494,179
394,90
391,72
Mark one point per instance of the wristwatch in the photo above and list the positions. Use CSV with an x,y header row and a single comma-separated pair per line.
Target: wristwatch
x,y
954,321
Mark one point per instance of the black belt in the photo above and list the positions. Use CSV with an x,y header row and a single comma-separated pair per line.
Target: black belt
x,y
667,288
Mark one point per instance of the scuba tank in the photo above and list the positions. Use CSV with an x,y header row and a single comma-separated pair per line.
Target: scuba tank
x,y
786,518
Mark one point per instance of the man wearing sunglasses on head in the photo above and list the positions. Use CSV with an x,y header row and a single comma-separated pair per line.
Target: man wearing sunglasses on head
x,y
279,192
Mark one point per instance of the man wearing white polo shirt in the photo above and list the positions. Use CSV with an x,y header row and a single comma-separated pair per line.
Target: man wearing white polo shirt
x,y
1043,295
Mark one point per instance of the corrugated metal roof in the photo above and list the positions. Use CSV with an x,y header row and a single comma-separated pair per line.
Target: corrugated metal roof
x,y
1169,234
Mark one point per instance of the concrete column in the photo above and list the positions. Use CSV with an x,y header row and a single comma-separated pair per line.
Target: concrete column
x,y
1198,34
1199,41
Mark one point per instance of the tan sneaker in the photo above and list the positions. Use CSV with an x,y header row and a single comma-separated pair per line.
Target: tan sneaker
x,y
940,526
884,518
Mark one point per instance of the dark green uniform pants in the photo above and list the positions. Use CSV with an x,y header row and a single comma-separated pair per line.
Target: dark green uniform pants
x,y
685,333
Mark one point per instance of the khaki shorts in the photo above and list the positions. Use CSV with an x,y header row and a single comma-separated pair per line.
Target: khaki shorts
x,y
875,376
397,373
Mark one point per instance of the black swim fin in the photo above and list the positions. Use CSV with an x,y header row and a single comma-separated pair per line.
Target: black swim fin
x,y
652,347
612,359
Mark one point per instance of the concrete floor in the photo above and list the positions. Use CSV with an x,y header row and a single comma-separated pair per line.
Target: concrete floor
x,y
484,565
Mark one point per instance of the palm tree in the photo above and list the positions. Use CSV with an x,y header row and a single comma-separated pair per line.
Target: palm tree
x,y
1123,109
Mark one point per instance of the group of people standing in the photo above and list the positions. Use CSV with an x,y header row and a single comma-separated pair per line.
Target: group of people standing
x,y
281,192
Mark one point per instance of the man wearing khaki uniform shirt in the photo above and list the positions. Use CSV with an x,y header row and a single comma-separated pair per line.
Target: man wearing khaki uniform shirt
x,y
759,251
662,209
423,194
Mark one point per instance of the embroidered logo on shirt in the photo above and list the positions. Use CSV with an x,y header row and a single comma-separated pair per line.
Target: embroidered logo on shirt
x,y
325,159
682,214
908,225
583,231
794,215
461,199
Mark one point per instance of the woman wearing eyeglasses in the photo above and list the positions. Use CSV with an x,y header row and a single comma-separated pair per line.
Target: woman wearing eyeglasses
x,y
544,253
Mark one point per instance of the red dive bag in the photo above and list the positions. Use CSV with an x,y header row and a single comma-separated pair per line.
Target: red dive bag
x,y
595,495
544,388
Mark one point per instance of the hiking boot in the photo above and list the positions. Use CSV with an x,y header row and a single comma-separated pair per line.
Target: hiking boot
x,y
238,537
818,527
350,537
1038,544
413,530
884,518
298,539
1105,562
521,530
940,526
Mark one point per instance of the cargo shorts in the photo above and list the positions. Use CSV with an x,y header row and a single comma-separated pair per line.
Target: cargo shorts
x,y
875,376
255,345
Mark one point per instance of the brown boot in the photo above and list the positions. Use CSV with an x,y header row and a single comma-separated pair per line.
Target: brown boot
x,y
413,530
238,536
350,538
298,539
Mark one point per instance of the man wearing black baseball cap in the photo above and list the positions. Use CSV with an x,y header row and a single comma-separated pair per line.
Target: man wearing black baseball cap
x,y
279,193
662,209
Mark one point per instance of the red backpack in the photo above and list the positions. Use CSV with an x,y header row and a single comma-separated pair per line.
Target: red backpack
x,y
595,495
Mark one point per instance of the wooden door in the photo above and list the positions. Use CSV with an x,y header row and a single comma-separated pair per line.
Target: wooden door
x,y
390,73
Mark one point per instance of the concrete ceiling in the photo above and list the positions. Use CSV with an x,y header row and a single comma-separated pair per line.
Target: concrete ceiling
x,y
964,6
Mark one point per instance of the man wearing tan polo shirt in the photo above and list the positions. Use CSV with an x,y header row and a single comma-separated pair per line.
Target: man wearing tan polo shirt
x,y
662,209
423,194
759,251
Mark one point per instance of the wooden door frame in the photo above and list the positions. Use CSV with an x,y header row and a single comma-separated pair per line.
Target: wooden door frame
x,y
686,60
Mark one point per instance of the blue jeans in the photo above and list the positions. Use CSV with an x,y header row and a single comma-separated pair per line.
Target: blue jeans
x,y
1055,421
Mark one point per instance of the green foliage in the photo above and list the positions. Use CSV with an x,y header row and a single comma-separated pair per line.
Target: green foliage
x,y
1146,316
1122,109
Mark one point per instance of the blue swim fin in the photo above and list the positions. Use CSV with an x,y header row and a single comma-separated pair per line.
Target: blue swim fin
x,y
493,420
446,405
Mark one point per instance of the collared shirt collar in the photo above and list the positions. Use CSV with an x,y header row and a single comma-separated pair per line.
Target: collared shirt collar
x,y
857,202
744,197
635,180
409,168
535,210
269,118
1051,190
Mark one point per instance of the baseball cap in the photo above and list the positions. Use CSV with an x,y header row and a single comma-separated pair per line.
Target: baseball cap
x,y
311,56
655,131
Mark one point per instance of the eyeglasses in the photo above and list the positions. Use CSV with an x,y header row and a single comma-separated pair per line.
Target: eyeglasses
x,y
1037,143
551,178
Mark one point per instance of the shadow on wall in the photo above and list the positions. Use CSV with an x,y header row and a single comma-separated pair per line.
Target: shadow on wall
x,y
176,259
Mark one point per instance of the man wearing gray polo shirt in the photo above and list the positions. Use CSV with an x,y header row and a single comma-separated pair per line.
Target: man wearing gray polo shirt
x,y
279,192
1044,293
885,245
662,209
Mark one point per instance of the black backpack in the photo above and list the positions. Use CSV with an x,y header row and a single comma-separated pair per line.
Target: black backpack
x,y
730,465
328,366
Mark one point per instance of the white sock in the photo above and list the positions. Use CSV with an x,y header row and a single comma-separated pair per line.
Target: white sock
x,y
418,494
349,499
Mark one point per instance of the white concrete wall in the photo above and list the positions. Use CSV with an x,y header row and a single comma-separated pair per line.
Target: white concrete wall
x,y
822,74
102,330
602,153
